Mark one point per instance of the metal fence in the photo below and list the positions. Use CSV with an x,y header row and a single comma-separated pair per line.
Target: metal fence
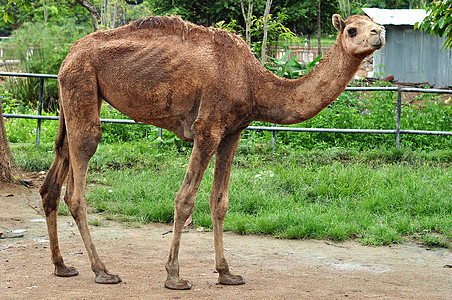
x,y
397,131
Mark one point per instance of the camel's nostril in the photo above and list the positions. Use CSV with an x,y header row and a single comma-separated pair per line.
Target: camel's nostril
x,y
374,31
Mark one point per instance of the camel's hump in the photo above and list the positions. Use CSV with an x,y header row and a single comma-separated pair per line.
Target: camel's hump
x,y
161,22
174,25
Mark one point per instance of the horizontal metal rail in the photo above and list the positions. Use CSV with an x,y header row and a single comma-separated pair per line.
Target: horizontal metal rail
x,y
274,128
32,75
350,89
19,116
262,128
395,89
335,130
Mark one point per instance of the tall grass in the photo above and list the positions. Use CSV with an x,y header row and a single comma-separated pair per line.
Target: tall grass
x,y
377,196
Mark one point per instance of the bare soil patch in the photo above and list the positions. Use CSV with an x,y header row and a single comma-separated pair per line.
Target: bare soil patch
x,y
273,268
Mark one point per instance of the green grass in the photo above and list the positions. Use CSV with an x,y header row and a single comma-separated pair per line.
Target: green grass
x,y
379,196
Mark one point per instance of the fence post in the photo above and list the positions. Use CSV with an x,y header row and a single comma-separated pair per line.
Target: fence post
x,y
273,138
399,113
38,129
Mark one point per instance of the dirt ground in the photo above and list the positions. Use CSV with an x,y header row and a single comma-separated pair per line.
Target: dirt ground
x,y
273,268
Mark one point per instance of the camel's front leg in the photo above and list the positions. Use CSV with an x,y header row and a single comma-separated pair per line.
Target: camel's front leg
x,y
219,203
183,208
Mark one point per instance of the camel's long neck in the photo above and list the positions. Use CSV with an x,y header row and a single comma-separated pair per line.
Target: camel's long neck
x,y
283,101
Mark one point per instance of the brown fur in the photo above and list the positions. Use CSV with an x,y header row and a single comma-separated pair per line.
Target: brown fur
x,y
205,85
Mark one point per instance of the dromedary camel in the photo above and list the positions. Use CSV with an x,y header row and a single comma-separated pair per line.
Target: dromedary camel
x,y
203,84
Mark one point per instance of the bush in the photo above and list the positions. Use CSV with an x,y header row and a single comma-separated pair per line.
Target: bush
x,y
41,48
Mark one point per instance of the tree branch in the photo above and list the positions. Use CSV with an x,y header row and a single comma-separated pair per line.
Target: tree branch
x,y
92,11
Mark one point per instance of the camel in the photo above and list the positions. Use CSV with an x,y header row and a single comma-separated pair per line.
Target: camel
x,y
206,86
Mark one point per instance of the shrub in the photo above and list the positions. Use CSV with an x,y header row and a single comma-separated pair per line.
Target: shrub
x,y
41,48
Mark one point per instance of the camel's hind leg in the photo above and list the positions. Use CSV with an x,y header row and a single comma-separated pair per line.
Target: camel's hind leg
x,y
50,192
84,133
219,203
76,202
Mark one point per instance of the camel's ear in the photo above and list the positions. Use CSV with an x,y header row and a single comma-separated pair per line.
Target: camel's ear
x,y
338,23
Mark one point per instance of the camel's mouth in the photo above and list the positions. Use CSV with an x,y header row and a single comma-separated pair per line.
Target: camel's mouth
x,y
377,46
377,42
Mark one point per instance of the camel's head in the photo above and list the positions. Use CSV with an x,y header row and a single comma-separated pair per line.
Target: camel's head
x,y
359,35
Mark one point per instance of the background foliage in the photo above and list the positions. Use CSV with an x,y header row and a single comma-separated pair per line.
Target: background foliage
x,y
40,48
301,15
439,20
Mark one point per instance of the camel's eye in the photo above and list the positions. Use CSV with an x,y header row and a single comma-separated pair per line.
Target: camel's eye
x,y
352,32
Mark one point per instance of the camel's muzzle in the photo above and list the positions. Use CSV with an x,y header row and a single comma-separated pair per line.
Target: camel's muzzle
x,y
377,37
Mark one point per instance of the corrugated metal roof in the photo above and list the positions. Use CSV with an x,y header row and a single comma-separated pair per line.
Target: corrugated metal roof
x,y
396,16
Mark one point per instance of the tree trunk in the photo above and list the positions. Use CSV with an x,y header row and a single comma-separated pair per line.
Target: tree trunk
x,y
5,153
264,40
344,6
248,18
92,11
45,10
319,44
103,13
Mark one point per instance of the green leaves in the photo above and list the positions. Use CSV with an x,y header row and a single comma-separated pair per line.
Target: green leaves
x,y
11,9
277,33
8,17
439,21
291,68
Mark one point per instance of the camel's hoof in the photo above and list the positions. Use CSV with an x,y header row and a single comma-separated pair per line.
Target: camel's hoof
x,y
63,271
107,278
229,279
177,284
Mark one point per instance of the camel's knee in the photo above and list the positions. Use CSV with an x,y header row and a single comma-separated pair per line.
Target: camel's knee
x,y
184,207
77,210
50,198
93,140
90,142
219,206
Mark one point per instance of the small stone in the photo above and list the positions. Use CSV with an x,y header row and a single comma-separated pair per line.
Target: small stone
x,y
26,182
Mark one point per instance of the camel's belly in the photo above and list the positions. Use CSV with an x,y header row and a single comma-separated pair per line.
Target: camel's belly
x,y
159,109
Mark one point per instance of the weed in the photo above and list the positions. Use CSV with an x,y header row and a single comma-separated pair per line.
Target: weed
x,y
435,240
63,210
95,222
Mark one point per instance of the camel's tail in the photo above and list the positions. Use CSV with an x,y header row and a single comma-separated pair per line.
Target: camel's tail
x,y
61,138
